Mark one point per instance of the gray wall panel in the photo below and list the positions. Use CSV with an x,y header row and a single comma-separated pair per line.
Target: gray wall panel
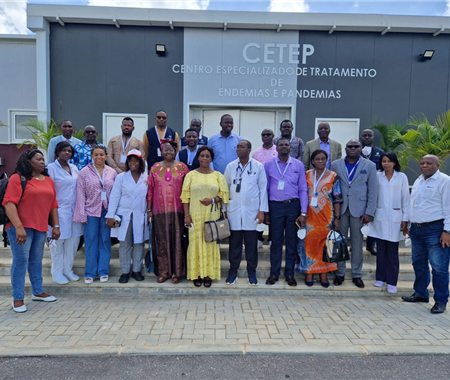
x,y
96,69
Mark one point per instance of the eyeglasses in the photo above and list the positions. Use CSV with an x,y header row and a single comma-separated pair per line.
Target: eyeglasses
x,y
353,146
266,134
90,132
161,117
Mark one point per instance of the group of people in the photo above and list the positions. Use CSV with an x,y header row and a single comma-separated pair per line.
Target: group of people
x,y
301,191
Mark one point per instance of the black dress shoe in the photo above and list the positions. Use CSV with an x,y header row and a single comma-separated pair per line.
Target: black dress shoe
x,y
372,250
124,278
415,298
358,282
137,276
271,280
438,308
291,281
338,280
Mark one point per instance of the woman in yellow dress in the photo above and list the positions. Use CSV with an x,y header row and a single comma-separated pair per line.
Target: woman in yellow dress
x,y
201,188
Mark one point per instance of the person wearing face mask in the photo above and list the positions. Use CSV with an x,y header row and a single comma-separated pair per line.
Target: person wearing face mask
x,y
324,212
94,186
65,176
28,209
128,201
165,181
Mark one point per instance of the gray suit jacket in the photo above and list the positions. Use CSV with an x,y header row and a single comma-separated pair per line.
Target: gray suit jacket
x,y
311,146
360,197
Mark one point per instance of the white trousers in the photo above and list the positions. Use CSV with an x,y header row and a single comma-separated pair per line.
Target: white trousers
x,y
63,255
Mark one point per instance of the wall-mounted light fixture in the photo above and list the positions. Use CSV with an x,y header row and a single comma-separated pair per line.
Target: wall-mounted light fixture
x,y
160,50
427,55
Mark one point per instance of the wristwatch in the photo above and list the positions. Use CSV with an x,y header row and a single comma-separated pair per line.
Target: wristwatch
x,y
303,214
338,217
57,226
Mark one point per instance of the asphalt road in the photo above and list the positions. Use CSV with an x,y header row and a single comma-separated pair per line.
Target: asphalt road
x,y
319,367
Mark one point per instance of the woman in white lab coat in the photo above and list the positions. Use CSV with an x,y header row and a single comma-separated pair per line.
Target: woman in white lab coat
x,y
63,251
128,201
390,220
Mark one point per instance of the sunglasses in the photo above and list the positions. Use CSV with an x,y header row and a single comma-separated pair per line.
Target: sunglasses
x,y
266,134
90,132
353,146
161,117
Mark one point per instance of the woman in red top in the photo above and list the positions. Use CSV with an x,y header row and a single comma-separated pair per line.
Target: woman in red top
x,y
28,213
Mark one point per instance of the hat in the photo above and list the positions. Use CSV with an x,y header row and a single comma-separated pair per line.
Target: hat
x,y
134,152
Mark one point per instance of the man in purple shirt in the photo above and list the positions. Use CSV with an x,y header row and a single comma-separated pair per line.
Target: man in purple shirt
x,y
288,203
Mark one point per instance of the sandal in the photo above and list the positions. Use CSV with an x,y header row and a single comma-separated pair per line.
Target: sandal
x,y
176,280
207,282
161,279
198,282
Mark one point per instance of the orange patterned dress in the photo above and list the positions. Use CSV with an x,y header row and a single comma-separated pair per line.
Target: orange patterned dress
x,y
319,222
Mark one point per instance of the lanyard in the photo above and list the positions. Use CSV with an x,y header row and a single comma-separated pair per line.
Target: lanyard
x,y
316,182
266,158
125,146
285,169
242,170
157,134
102,178
352,171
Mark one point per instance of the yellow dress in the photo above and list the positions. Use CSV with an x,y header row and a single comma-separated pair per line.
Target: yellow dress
x,y
203,259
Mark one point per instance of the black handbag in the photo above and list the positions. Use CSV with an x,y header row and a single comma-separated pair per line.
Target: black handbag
x,y
335,249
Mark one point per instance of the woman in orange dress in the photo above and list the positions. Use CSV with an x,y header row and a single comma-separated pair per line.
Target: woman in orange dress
x,y
324,206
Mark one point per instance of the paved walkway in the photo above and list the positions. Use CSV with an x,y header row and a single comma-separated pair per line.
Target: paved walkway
x,y
222,324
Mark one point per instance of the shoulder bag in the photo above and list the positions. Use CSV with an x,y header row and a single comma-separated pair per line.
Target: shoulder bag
x,y
216,230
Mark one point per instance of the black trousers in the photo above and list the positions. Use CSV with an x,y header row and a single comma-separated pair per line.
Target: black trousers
x,y
251,251
388,265
370,242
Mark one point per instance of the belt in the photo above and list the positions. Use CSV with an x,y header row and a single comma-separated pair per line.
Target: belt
x,y
427,223
288,201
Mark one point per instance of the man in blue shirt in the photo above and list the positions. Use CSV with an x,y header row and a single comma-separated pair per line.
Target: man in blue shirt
x,y
83,150
224,144
66,135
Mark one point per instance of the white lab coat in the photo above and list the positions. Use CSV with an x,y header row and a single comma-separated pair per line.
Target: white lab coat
x,y
245,205
392,207
66,195
128,197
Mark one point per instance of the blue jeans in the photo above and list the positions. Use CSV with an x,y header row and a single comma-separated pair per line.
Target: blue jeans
x,y
427,247
26,255
97,244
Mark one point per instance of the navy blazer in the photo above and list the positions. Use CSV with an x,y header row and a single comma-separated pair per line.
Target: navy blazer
x,y
375,156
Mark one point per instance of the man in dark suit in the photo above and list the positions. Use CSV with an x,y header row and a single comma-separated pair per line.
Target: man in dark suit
x,y
359,185
373,154
189,155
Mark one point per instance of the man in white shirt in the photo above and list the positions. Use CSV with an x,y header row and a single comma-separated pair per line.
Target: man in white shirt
x,y
66,135
246,179
430,233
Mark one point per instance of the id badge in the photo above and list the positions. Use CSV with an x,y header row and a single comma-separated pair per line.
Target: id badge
x,y
313,201
123,158
103,196
158,152
280,185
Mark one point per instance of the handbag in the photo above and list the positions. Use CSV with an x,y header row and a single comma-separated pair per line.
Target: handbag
x,y
335,248
216,230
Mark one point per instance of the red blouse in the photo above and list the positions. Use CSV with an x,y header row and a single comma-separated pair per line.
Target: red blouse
x,y
38,199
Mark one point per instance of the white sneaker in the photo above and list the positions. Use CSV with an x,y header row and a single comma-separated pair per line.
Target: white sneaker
x,y
88,280
72,276
20,309
104,279
392,288
378,284
43,299
60,279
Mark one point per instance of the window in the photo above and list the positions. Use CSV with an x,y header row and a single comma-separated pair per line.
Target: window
x,y
19,132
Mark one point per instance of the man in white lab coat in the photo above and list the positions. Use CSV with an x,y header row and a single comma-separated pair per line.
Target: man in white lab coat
x,y
247,182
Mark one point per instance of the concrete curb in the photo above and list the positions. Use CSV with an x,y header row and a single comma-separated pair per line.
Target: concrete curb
x,y
189,350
